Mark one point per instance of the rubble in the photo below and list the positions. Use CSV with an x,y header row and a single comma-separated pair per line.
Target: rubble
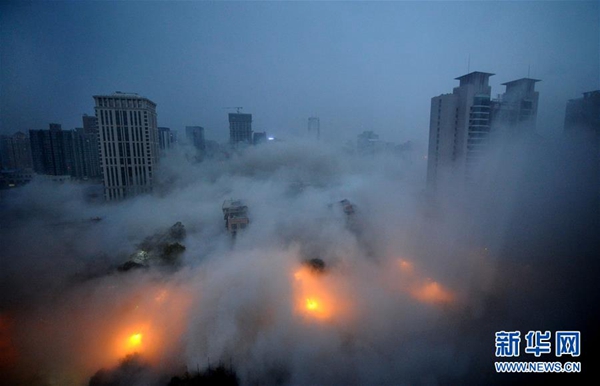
x,y
162,248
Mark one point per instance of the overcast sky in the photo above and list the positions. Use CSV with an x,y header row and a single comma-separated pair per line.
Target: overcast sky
x,y
357,65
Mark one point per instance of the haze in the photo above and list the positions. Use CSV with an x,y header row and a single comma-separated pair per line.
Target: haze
x,y
357,65
408,289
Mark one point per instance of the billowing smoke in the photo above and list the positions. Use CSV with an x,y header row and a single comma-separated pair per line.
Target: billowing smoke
x,y
409,288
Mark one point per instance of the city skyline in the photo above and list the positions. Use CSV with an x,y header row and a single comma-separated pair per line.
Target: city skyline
x,y
298,193
377,77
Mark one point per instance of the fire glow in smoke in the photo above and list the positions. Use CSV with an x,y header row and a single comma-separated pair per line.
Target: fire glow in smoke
x,y
368,317
319,295
421,287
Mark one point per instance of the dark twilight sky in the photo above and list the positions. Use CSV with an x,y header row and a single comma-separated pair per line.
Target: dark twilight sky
x,y
357,65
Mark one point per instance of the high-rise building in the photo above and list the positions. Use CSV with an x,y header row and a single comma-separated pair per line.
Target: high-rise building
x,y
195,136
52,151
367,142
128,135
582,128
15,152
462,124
458,130
90,124
314,127
240,128
87,154
166,138
515,111
582,115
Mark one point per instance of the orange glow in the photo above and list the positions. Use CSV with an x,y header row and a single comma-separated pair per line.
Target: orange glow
x,y
424,290
311,294
312,304
161,297
135,340
432,292
406,266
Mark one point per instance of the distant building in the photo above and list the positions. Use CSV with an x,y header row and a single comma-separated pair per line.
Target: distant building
x,y
259,137
52,151
462,124
129,143
15,178
240,128
166,139
459,127
367,142
314,127
515,112
87,154
90,124
15,152
195,136
583,114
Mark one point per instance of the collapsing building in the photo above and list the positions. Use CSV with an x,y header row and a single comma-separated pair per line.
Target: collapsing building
x,y
162,248
235,214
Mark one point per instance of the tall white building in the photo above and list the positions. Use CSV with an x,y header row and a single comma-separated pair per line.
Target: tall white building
x,y
129,144
462,124
459,127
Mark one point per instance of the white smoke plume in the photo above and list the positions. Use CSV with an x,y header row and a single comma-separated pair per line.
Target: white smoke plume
x,y
414,285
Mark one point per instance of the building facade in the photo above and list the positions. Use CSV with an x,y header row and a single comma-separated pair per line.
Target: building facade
x,y
129,144
240,128
52,151
87,154
15,152
459,127
166,139
514,113
462,124
582,115
195,136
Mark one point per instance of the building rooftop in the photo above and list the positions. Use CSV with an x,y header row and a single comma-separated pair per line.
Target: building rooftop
x,y
119,94
522,80
474,74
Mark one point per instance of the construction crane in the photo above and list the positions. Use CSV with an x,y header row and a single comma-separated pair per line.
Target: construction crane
x,y
236,108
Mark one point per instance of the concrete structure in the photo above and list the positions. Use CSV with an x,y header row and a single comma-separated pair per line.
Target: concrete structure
x,y
86,153
129,151
52,151
195,136
235,214
15,152
314,127
240,128
90,124
515,112
166,139
458,130
368,142
582,127
583,114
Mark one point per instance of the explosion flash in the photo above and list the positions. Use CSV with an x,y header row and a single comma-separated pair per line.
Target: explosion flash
x,y
135,340
312,304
